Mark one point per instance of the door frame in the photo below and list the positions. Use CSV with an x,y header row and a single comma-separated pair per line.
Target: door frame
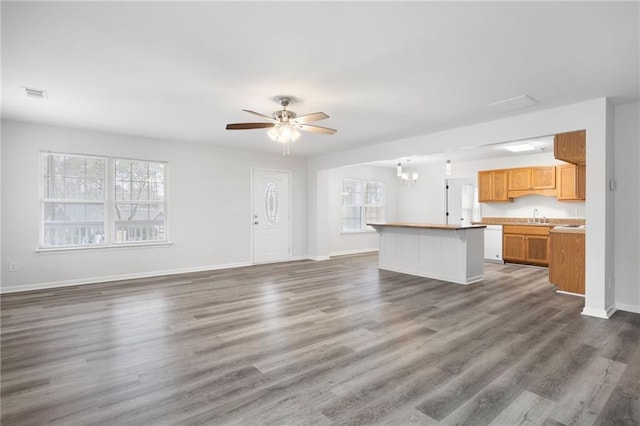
x,y
290,212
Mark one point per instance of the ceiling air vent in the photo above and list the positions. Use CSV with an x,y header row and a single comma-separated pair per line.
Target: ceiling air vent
x,y
35,93
518,102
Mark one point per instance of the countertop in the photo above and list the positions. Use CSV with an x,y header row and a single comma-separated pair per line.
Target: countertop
x,y
549,222
427,226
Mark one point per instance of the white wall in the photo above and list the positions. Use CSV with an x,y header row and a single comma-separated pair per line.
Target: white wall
x,y
627,207
590,115
345,243
424,202
209,215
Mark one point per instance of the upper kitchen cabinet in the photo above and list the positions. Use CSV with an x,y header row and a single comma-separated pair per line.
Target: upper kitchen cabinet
x,y
532,181
571,180
525,178
571,147
492,186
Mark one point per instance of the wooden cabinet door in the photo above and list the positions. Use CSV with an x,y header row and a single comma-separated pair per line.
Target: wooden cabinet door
x,y
500,185
566,266
513,247
537,249
571,147
520,179
485,186
571,182
543,177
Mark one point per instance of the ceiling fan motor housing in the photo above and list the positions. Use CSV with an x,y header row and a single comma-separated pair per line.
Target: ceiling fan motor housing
x,y
284,116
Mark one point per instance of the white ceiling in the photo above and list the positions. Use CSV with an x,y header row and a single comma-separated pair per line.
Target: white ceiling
x,y
381,70
498,150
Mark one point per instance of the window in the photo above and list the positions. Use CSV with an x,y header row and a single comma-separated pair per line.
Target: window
x,y
362,202
98,201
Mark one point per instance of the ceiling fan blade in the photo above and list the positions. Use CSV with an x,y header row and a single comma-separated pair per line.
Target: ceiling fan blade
x,y
317,129
315,116
246,126
258,114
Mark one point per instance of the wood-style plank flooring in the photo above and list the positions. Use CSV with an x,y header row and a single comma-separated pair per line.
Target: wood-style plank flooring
x,y
305,343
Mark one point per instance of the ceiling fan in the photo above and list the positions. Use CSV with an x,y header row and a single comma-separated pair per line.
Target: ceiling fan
x,y
284,124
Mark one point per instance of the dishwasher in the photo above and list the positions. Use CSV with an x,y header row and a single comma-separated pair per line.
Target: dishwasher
x,y
493,243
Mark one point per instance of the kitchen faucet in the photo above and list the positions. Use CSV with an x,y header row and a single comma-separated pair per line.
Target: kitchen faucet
x,y
535,215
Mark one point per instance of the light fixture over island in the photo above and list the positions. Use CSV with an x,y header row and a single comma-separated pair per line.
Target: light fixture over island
x,y
445,252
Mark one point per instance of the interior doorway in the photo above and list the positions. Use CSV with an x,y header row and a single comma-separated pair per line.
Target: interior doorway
x,y
461,196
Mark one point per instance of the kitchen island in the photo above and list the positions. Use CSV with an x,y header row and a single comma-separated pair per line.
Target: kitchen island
x,y
451,253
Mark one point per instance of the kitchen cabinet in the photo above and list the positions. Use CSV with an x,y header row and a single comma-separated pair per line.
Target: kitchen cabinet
x,y
492,186
526,244
532,178
571,147
566,267
571,182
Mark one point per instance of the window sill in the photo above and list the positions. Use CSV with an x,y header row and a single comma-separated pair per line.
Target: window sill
x,y
104,247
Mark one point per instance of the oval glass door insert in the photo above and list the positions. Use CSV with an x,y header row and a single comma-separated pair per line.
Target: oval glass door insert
x,y
271,203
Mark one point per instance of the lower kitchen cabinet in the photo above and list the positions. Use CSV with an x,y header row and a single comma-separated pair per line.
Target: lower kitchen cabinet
x,y
526,244
566,268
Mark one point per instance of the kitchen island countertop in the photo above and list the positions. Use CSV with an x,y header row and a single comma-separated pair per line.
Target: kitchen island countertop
x,y
427,225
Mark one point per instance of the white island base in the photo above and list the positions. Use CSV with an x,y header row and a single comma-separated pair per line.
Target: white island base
x,y
444,252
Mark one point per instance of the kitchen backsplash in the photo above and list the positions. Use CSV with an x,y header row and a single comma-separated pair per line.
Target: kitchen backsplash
x,y
524,206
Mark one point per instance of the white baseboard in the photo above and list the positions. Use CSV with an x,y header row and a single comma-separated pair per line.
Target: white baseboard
x,y
569,293
357,251
599,313
110,278
628,308
318,258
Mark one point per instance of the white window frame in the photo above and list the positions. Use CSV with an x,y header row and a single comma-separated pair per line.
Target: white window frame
x,y
109,207
363,206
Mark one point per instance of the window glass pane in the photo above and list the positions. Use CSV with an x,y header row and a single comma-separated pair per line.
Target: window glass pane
x,y
123,190
73,189
352,192
156,172
123,170
139,222
351,219
374,193
156,191
74,167
73,224
140,171
140,191
94,189
95,169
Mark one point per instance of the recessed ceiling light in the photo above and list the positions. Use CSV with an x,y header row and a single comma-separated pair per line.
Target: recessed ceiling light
x,y
520,148
518,102
35,93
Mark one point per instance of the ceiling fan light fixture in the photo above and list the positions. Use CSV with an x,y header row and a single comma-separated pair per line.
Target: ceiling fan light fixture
x,y
284,125
284,133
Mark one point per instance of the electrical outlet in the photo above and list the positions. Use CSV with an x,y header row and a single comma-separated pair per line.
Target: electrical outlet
x,y
13,266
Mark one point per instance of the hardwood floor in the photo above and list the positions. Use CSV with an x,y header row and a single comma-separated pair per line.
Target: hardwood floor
x,y
334,342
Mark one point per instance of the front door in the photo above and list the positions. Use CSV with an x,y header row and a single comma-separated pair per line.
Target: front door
x,y
271,217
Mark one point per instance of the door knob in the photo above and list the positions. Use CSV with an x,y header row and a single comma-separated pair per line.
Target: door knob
x,y
255,223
